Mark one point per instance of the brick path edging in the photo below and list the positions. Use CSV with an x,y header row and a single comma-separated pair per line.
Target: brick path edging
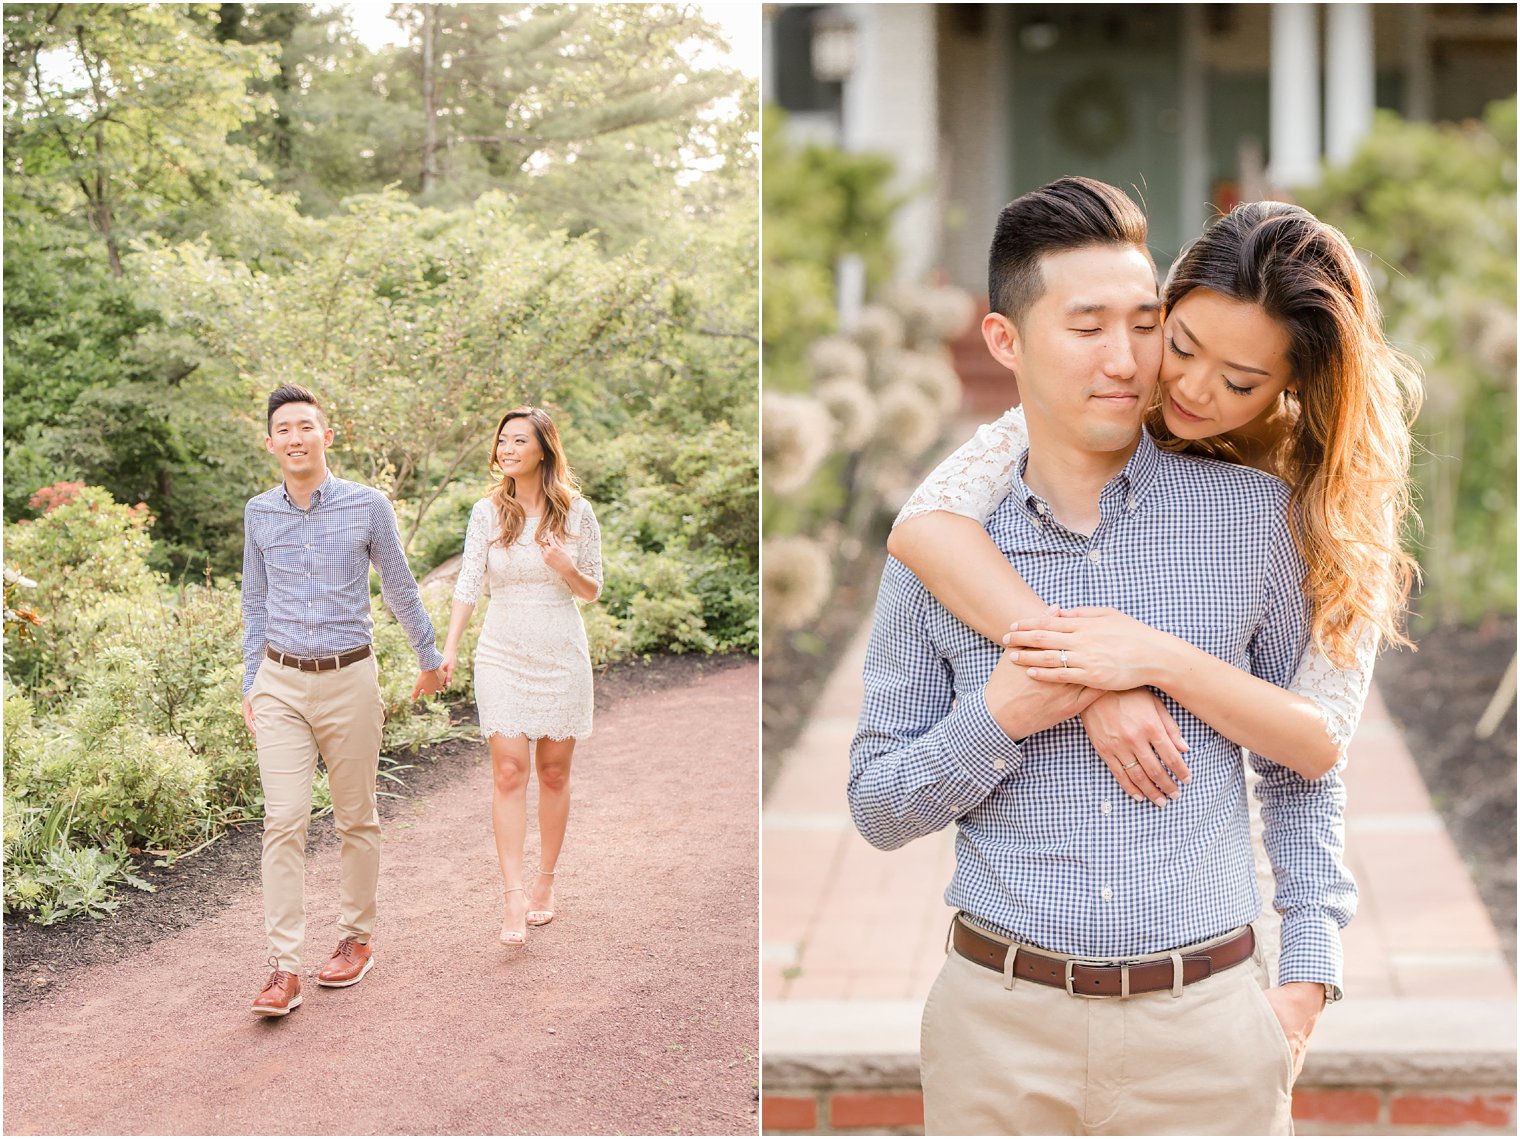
x,y
1316,1111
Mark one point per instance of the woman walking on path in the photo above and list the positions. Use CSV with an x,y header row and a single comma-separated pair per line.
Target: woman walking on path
x,y
538,540
1272,356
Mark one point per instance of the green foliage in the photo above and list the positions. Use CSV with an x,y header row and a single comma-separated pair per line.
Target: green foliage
x,y
1436,207
83,554
820,203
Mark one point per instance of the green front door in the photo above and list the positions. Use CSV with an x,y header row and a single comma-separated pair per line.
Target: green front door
x,y
1096,91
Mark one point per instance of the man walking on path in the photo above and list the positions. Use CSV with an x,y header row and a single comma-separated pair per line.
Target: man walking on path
x,y
310,684
1066,888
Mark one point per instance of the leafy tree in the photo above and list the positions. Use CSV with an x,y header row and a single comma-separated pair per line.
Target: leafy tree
x,y
116,110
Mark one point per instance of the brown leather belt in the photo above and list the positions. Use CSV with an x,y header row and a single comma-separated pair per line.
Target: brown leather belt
x,y
318,664
1120,979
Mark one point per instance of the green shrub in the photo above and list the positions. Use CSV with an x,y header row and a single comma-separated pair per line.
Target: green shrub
x,y
83,552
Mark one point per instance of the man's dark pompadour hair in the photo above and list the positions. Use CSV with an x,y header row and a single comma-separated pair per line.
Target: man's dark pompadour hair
x,y
1069,213
289,393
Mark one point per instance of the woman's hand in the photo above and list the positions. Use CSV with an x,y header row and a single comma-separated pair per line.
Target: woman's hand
x,y
556,557
1099,648
1138,740
450,659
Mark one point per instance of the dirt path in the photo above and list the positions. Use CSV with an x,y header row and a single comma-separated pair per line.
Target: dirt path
x,y
634,1012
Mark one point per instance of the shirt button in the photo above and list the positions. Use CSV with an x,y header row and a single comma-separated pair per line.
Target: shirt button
x,y
1094,556
1108,808
1130,504
998,764
1107,894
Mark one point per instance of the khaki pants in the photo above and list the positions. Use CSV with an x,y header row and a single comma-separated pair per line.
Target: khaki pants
x,y
299,715
1032,1060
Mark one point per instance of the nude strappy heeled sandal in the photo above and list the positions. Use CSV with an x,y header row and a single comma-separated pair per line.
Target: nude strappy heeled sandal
x,y
514,936
543,917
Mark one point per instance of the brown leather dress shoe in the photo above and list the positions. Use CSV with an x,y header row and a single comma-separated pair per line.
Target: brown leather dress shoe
x,y
347,966
281,993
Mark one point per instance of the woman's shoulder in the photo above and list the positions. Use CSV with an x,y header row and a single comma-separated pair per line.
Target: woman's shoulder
x,y
580,507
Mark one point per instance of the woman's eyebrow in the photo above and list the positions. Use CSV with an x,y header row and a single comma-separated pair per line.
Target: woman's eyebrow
x,y
1191,335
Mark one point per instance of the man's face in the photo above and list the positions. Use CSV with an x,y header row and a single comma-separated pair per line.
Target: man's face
x,y
298,438
1090,348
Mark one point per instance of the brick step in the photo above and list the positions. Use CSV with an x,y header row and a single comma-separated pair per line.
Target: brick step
x,y
1385,1066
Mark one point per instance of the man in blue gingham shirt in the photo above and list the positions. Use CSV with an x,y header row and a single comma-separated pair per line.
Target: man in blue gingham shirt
x,y
1050,854
306,575
310,686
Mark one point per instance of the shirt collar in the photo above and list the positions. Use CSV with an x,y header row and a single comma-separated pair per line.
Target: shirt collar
x,y
317,495
1129,485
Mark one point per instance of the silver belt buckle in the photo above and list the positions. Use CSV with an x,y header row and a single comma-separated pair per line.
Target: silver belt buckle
x,y
1073,962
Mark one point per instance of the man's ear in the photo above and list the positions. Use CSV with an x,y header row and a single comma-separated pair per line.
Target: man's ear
x,y
269,443
1003,340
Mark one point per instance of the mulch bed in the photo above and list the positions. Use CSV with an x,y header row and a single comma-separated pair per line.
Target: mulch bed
x,y
1437,695
198,887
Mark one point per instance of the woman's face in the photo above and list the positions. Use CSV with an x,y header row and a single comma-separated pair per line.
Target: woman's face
x,y
1224,369
518,452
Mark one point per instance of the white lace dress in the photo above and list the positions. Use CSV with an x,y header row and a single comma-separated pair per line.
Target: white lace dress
x,y
979,475
532,666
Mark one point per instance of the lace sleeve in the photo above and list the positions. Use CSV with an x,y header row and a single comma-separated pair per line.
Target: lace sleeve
x,y
588,544
978,476
1339,693
472,567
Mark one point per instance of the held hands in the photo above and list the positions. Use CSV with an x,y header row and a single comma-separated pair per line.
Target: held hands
x,y
1138,740
1023,706
1297,1005
429,681
1096,647
446,669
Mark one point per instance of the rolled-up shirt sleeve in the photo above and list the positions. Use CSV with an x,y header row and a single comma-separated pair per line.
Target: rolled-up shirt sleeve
x,y
255,601
920,757
397,585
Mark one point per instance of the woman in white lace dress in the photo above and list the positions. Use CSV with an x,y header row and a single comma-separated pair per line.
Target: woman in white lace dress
x,y
537,541
1274,357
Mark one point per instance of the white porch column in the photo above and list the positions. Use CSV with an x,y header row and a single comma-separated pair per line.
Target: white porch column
x,y
891,107
1295,95
1349,79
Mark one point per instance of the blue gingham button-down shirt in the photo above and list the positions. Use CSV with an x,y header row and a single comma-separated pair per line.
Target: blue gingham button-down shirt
x,y
1049,851
306,575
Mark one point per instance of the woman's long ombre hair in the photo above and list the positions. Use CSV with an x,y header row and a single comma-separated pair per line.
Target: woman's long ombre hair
x,y
560,485
1345,453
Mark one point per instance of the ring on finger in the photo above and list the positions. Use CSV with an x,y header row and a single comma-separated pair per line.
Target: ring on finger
x,y
1063,659
1127,766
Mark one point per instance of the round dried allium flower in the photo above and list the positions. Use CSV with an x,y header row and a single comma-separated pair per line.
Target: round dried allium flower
x,y
796,434
950,311
854,410
915,304
795,580
878,329
908,422
836,357
932,373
